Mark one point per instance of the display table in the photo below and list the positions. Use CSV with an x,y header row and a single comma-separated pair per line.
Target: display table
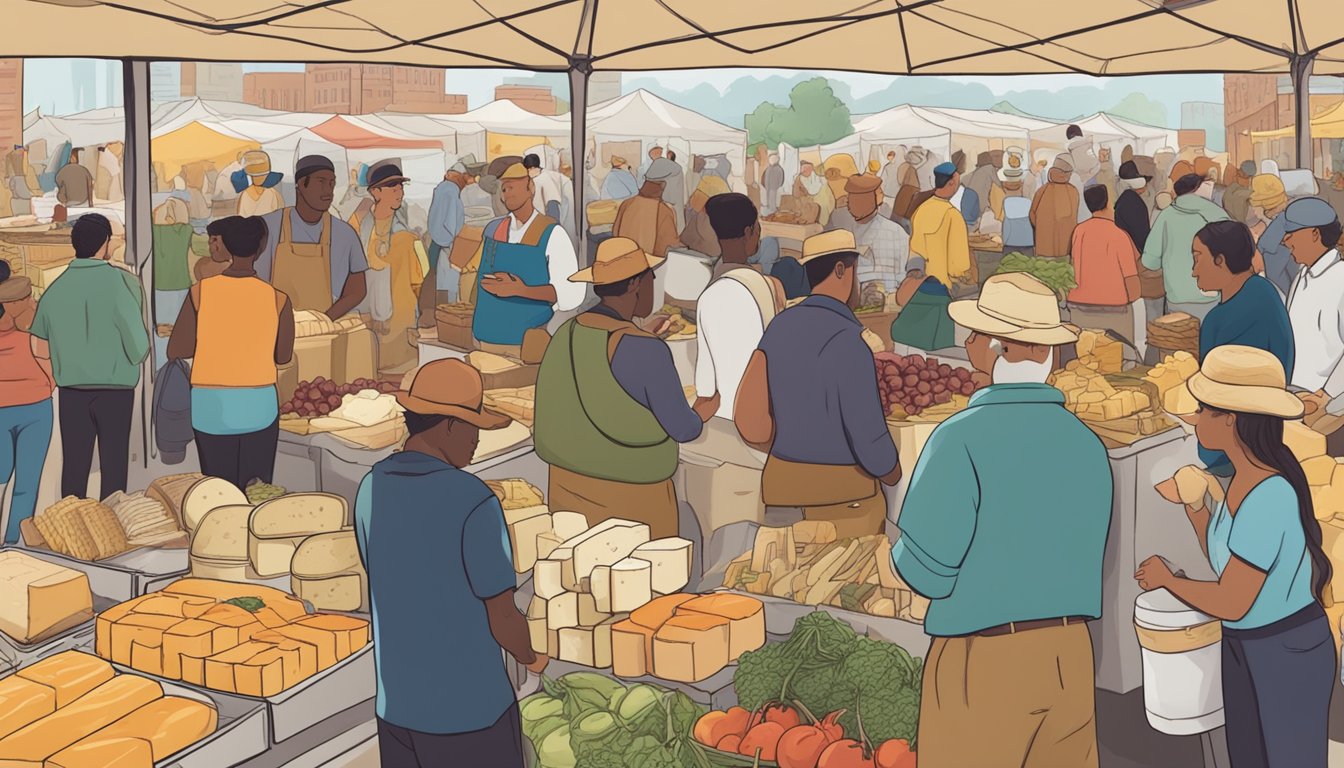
x,y
792,235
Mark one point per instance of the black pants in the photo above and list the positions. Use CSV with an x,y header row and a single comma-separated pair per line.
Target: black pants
x,y
1277,682
499,746
86,415
239,459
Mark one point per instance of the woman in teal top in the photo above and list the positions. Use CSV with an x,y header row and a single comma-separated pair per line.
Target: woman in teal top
x,y
1264,543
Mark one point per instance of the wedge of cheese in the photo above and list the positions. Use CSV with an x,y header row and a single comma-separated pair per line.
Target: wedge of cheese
x,y
221,533
525,525
206,495
277,527
671,561
23,702
589,646
1305,442
555,573
562,611
691,647
104,705
603,548
328,572
745,615
38,598
166,725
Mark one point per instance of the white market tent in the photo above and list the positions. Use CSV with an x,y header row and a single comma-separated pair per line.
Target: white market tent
x,y
643,117
503,116
77,129
901,126
424,126
1111,132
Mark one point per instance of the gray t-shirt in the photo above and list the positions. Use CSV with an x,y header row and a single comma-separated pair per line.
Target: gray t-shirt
x,y
347,252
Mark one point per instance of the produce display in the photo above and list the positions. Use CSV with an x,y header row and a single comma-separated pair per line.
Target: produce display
x,y
1121,407
518,404
587,720
39,599
237,638
825,666
908,384
81,528
1055,273
808,564
790,736
73,710
321,396
685,637
1176,331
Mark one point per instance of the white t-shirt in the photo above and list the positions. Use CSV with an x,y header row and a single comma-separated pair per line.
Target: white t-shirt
x,y
729,329
561,261
1316,311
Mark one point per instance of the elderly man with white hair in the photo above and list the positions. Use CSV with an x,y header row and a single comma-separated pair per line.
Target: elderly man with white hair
x,y
979,537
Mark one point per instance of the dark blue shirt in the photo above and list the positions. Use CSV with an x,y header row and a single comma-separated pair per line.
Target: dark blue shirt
x,y
433,540
823,389
1253,317
644,368
789,272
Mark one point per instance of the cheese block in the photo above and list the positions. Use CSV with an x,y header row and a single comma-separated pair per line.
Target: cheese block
x,y
631,646
536,624
277,527
168,725
104,705
487,362
691,647
177,606
350,634
328,572
23,702
221,533
525,525
304,664
671,561
564,526
548,542
562,611
97,752
347,592
1327,501
630,584
38,598
1319,470
281,602
147,658
207,494
599,586
322,643
589,646
555,573
603,548
220,668
224,570
745,615
1305,442
237,625
193,637
553,643
143,628
589,615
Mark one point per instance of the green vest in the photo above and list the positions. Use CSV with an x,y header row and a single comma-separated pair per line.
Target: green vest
x,y
585,422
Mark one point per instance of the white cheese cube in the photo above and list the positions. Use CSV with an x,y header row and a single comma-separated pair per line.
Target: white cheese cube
x,y
631,584
671,561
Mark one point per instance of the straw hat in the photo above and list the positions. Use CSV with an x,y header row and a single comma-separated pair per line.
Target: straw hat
x,y
827,243
618,258
256,163
1244,380
1017,307
450,388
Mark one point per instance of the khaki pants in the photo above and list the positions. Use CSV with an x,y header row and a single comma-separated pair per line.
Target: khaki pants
x,y
1024,700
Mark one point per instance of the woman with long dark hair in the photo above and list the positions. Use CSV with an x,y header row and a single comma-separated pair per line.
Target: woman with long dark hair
x,y
1264,543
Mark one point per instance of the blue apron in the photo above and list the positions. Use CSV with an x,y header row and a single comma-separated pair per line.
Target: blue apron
x,y
504,320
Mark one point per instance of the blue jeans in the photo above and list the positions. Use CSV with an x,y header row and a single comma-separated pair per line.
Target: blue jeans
x,y
25,434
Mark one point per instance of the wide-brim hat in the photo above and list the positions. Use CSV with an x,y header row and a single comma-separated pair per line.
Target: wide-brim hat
x,y
618,258
1244,379
16,288
827,243
862,184
450,388
1017,307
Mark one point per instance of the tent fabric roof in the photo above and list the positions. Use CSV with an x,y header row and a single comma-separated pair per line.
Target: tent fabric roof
x,y
1116,37
504,116
643,114
351,133
194,141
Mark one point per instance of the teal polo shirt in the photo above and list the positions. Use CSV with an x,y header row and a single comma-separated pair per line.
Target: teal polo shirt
x,y
1266,533
91,319
435,546
1007,514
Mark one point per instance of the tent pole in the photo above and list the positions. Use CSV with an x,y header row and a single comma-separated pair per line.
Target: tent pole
x,y
135,175
580,69
1301,67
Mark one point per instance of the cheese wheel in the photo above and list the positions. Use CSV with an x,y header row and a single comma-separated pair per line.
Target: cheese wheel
x,y
298,514
221,534
327,554
206,495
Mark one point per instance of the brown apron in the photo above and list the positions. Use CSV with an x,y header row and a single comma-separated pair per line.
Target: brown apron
x,y
844,495
654,504
302,271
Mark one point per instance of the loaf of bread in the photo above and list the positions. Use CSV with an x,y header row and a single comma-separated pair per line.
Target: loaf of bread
x,y
171,491
81,528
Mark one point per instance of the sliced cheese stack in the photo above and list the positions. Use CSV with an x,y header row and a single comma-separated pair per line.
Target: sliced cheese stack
x,y
246,639
205,495
277,527
146,521
171,492
327,572
219,543
72,710
81,528
39,599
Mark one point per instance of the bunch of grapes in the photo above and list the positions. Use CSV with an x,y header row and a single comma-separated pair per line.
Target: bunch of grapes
x,y
321,396
909,384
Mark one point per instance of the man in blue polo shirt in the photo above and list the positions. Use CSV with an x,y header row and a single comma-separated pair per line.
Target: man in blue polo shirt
x,y
441,585
1003,528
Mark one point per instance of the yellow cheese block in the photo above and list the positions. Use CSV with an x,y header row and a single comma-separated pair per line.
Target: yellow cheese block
x,y
670,559
143,628
630,584
589,615
193,670
524,526
745,615
297,668
691,647
589,646
1319,470
1303,441
104,621
179,606
1327,502
631,649
220,669
23,702
70,674
147,658
264,673
221,533
332,593
488,362
605,548
194,637
38,597
350,634
238,625
322,643
282,603
167,725
98,708
563,610
95,752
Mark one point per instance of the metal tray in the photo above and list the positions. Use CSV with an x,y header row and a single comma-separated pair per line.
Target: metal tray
x,y
127,575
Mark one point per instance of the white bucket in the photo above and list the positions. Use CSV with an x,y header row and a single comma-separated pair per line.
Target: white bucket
x,y
1182,665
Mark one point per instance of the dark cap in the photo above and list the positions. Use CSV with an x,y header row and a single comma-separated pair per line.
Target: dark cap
x,y
310,164
386,173
1130,170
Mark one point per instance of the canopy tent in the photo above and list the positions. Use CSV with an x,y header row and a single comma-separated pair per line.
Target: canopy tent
x,y
504,116
196,142
901,126
1109,131
366,143
80,132
643,117
449,137
355,133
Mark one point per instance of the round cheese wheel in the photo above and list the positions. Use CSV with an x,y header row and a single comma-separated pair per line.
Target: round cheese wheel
x,y
222,533
207,494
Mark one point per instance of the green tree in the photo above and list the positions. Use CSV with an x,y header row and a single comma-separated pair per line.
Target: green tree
x,y
814,116
1138,107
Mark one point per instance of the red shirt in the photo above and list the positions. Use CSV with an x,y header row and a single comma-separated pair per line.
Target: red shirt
x,y
22,380
1103,257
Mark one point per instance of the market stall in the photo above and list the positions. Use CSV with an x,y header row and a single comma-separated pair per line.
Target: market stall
x,y
901,126
1107,130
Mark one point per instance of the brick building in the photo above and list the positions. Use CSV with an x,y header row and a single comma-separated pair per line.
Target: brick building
x,y
11,103
536,99
1265,103
356,89
275,90
212,81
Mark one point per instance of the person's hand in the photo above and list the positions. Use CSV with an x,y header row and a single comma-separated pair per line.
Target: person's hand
x,y
538,664
909,286
706,407
502,284
1153,573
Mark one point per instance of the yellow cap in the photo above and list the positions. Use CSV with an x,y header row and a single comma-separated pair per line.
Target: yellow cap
x,y
515,171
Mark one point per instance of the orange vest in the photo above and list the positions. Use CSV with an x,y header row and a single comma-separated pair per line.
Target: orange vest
x,y
237,321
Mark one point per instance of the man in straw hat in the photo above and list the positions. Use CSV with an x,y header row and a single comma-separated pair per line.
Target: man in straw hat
x,y
610,409
421,521
521,265
311,256
980,538
810,398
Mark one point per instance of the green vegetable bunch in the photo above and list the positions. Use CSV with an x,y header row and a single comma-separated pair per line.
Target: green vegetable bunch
x,y
1056,273
828,667
258,492
587,720
249,604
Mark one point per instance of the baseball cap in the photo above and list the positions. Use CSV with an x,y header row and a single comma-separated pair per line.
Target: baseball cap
x,y
1308,212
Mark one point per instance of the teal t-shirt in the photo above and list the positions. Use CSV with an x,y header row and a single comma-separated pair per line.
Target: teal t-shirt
x,y
233,410
1267,533
435,546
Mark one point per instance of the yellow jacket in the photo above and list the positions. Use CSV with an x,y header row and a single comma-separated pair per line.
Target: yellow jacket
x,y
938,233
